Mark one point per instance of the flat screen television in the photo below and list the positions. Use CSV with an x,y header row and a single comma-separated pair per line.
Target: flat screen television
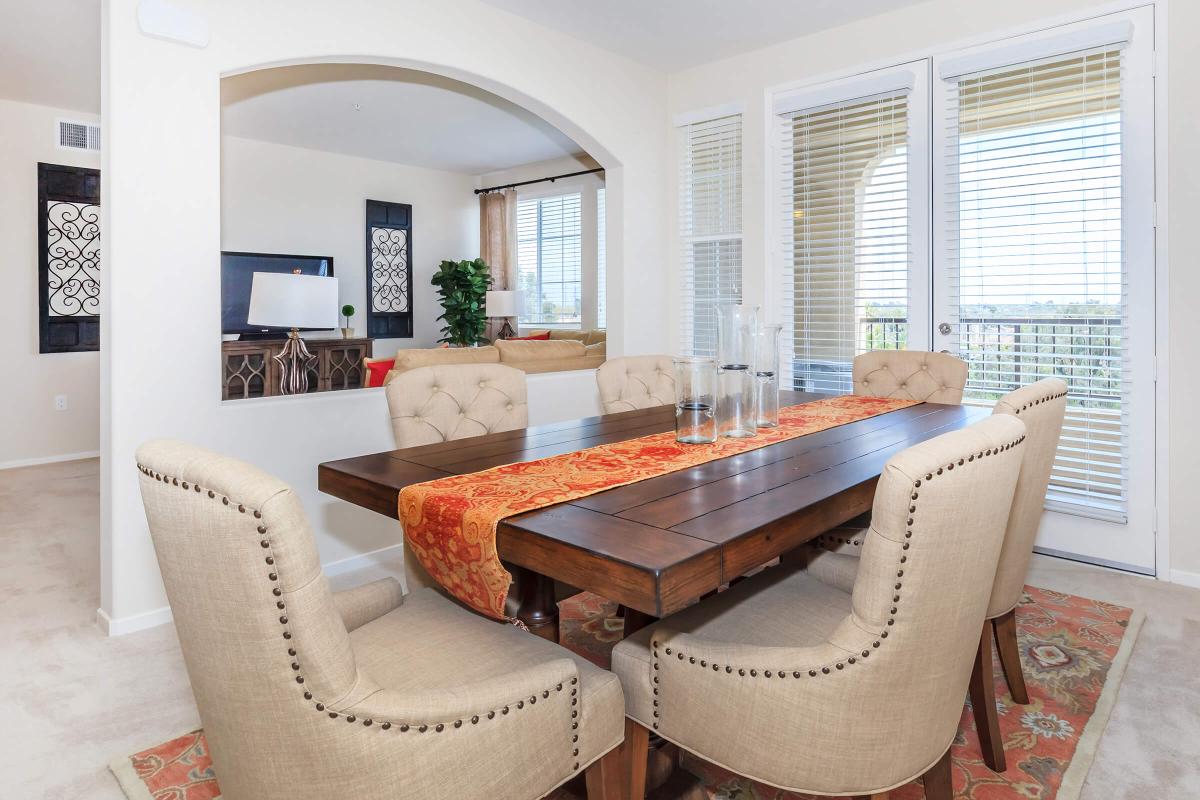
x,y
237,274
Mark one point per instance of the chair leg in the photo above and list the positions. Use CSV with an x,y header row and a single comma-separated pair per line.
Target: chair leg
x,y
938,780
983,703
1005,627
605,777
636,751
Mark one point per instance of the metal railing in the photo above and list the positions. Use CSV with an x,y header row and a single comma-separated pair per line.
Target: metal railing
x,y
1004,353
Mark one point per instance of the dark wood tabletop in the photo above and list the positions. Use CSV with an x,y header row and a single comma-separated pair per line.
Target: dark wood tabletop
x,y
656,545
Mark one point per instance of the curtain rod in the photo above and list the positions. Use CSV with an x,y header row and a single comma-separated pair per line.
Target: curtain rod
x,y
552,178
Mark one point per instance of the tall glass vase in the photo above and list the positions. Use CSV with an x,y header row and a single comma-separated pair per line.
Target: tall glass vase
x,y
766,376
736,328
695,400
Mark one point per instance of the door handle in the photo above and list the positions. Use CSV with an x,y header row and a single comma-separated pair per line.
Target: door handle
x,y
944,328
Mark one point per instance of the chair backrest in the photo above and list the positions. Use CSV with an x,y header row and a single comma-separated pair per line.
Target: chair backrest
x,y
910,375
1041,406
636,382
260,635
922,590
440,403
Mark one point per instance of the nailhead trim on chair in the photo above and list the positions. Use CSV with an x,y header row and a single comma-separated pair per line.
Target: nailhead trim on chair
x,y
827,541
1041,400
291,649
891,620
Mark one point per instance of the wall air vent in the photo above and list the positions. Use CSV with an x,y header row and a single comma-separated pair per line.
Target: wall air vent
x,y
78,135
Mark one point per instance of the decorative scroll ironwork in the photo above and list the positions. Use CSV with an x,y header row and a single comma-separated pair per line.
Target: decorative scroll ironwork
x,y
68,215
389,270
72,259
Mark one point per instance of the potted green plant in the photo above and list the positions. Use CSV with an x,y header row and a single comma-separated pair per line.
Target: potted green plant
x,y
463,287
347,312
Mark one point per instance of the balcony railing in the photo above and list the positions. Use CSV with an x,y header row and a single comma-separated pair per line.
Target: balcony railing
x,y
1003,353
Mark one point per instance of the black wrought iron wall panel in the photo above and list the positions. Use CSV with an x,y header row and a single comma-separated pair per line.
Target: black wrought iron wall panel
x,y
389,270
69,278
73,258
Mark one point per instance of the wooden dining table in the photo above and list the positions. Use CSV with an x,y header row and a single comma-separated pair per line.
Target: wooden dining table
x,y
656,545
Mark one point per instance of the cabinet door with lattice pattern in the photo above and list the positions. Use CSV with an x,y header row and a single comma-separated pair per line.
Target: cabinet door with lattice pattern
x,y
344,366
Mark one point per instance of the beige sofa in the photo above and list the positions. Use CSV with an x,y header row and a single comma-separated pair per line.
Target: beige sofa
x,y
565,350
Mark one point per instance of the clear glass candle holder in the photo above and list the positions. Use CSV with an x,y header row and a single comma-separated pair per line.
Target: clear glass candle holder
x,y
695,400
766,376
736,328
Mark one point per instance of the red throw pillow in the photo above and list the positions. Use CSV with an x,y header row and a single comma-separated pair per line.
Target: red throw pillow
x,y
378,370
544,335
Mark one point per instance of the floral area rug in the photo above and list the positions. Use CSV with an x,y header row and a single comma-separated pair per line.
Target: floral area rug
x,y
1074,651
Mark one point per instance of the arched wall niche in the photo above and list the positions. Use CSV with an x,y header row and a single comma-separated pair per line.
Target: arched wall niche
x,y
162,216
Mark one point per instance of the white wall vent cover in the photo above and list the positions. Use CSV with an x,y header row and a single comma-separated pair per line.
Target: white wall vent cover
x,y
78,135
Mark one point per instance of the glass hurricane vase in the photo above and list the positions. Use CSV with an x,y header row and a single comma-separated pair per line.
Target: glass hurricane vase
x,y
766,376
736,328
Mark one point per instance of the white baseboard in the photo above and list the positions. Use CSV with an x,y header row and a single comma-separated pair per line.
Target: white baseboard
x,y
364,560
134,622
161,616
33,462
1185,578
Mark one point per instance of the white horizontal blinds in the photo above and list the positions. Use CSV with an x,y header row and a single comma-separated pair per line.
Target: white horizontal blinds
x,y
601,261
710,227
846,247
1037,278
549,260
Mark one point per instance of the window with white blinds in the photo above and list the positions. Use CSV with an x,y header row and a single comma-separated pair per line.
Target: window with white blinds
x,y
1037,279
601,261
549,260
710,227
846,249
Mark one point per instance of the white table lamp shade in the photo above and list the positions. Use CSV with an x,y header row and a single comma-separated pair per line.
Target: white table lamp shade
x,y
502,303
284,300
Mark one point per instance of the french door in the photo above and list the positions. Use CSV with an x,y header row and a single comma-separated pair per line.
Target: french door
x,y
1043,223
852,221
996,203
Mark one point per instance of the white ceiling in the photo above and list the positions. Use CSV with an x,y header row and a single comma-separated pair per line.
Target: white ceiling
x,y
403,116
50,53
676,34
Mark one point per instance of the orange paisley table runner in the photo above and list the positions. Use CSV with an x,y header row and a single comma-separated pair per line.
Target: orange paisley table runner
x,y
450,523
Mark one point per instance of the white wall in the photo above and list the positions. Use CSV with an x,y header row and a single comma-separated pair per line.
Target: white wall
x,y
280,199
894,37
161,112
30,429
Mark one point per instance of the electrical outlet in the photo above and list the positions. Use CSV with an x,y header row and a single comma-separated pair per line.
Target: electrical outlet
x,y
60,402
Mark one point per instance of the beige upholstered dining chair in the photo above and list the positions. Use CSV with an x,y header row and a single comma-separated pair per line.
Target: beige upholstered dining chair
x,y
454,401
306,693
636,382
907,375
1041,406
910,375
796,683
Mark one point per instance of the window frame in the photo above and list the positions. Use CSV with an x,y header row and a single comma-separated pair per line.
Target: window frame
x,y
685,306
539,197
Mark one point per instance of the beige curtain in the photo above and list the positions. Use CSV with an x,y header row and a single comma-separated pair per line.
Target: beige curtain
x,y
498,243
